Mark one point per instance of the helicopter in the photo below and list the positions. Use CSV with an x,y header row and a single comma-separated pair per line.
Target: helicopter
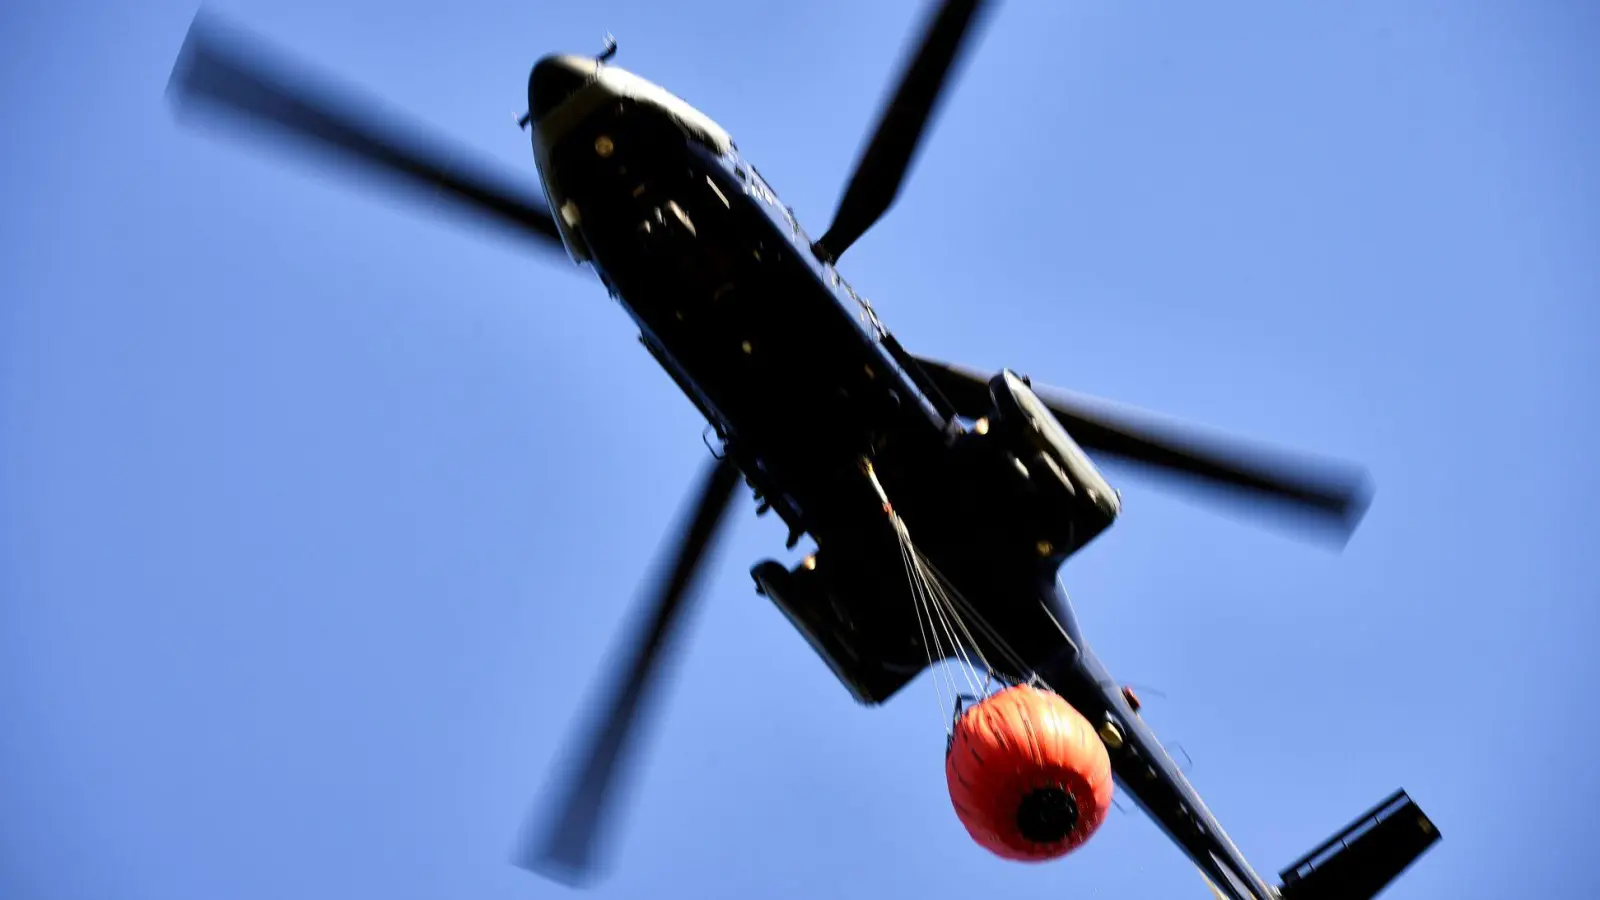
x,y
870,451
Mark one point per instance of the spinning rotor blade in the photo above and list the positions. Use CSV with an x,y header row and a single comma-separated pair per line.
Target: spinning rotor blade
x,y
223,71
567,850
1329,495
882,167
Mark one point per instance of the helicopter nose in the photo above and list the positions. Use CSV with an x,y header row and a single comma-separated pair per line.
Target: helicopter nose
x,y
554,79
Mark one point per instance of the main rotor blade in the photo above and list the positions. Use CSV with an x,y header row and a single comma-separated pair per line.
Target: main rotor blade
x,y
1330,495
568,850
223,71
882,167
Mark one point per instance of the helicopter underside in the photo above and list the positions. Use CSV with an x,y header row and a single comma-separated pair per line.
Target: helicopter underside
x,y
726,297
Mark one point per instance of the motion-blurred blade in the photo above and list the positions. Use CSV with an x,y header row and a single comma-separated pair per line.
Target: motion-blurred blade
x,y
1331,496
568,850
223,71
882,168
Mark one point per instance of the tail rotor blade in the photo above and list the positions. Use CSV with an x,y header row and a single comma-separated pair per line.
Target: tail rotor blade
x,y
569,849
220,70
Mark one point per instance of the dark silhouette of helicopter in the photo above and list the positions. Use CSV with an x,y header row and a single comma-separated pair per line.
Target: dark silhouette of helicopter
x,y
848,437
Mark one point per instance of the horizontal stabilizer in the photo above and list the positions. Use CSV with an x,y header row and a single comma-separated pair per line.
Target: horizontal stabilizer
x,y
1361,860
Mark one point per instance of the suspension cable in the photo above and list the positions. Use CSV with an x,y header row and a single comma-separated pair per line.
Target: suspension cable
x,y
943,615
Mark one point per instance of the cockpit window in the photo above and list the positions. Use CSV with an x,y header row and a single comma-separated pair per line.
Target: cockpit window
x,y
697,124
794,223
759,184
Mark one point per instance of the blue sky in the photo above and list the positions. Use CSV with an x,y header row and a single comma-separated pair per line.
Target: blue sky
x,y
288,607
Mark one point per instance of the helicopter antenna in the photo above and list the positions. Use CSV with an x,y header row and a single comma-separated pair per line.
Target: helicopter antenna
x,y
1186,757
1147,690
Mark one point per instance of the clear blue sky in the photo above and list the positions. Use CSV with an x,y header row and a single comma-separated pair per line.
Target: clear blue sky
x,y
285,610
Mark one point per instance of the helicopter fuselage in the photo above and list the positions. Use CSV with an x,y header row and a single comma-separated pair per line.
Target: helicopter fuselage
x,y
801,383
